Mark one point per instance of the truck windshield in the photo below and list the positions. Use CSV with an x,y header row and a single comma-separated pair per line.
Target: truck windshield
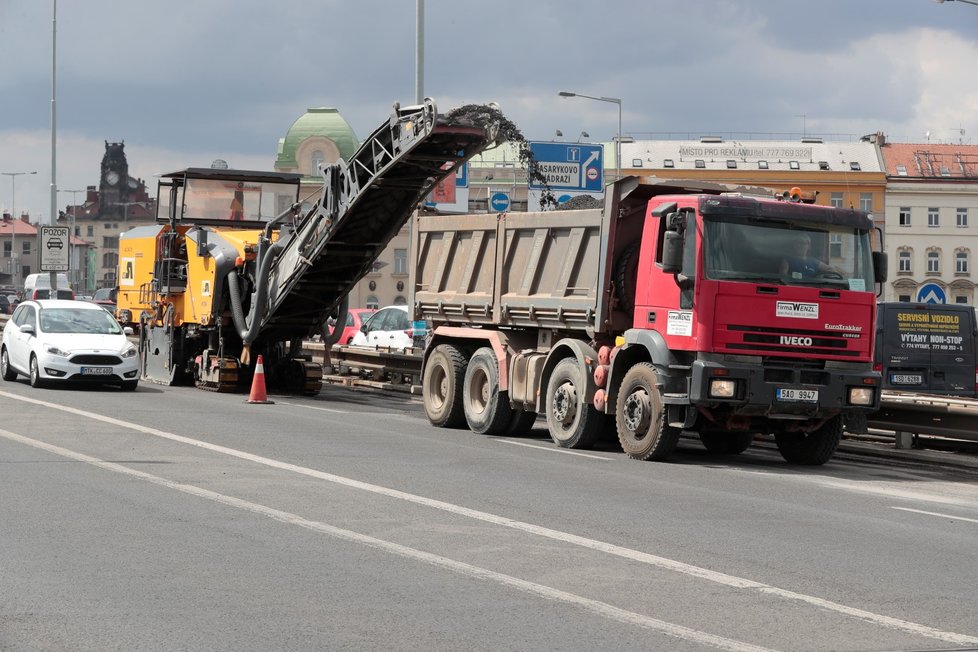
x,y
795,253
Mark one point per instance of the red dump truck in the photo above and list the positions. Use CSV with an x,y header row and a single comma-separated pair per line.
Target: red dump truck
x,y
678,307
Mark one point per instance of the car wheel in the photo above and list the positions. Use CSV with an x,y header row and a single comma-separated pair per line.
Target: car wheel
x,y
5,368
35,373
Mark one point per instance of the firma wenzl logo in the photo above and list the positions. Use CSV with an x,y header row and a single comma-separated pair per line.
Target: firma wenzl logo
x,y
797,310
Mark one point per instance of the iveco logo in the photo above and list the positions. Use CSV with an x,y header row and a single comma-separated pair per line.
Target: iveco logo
x,y
794,340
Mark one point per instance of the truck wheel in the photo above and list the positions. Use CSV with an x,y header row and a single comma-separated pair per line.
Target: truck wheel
x,y
573,423
726,443
441,387
641,417
487,410
521,422
813,448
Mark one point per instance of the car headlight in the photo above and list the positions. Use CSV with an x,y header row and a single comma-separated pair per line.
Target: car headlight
x,y
130,352
53,350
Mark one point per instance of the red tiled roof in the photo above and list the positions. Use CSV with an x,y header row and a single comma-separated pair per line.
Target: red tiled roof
x,y
930,161
16,227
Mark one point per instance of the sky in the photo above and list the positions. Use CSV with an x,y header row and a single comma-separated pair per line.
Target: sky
x,y
185,82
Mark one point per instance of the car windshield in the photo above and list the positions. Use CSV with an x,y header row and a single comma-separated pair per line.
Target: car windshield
x,y
75,320
793,253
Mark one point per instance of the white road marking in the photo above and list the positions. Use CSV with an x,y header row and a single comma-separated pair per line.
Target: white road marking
x,y
553,450
939,515
312,407
557,535
597,607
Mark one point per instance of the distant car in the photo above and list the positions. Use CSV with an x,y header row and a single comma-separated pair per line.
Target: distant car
x,y
4,304
56,340
354,320
13,300
388,327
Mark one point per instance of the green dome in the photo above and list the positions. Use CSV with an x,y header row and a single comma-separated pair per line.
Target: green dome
x,y
322,121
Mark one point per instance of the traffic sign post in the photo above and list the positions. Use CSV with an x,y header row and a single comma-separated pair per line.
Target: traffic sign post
x,y
568,166
54,249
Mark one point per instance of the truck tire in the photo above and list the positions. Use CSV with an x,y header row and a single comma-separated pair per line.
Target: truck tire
x,y
726,443
441,387
572,421
640,416
813,448
521,422
487,410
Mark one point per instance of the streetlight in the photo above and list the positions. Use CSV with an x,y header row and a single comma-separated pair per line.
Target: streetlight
x,y
613,100
13,214
970,2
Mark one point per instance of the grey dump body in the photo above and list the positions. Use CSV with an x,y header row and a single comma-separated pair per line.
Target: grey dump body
x,y
927,348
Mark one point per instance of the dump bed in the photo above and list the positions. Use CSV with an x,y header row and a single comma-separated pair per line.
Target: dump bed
x,y
541,269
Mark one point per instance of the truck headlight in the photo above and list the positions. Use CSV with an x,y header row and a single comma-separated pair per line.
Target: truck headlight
x,y
723,388
861,395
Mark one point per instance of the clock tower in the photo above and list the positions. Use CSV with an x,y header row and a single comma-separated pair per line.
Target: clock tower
x,y
114,182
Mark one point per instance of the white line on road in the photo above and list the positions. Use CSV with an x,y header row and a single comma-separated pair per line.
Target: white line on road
x,y
556,535
595,606
313,407
553,450
938,514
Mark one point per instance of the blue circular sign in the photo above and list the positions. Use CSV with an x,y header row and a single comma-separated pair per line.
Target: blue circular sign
x,y
931,293
499,201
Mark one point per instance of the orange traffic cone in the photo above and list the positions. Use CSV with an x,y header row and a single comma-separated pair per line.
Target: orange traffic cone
x,y
258,385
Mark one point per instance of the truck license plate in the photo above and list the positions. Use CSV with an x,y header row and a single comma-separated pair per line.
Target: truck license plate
x,y
906,379
790,394
96,371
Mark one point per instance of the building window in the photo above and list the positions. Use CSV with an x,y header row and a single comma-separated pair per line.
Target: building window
x,y
961,262
372,303
317,160
110,259
903,297
110,242
762,165
90,231
25,247
962,219
699,163
835,245
400,261
7,246
960,299
836,200
866,202
933,217
933,262
904,216
903,259
400,301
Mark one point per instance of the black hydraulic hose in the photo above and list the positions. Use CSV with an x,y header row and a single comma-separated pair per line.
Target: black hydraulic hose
x,y
248,327
329,339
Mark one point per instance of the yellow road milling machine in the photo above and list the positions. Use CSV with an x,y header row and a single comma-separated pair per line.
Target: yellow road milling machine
x,y
233,268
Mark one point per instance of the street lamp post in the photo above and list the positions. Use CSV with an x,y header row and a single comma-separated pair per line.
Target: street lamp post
x,y
13,215
613,100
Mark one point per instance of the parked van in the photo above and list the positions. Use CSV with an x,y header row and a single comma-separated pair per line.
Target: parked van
x,y
38,286
927,348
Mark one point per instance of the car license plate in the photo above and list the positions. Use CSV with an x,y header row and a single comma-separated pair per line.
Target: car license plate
x,y
96,371
790,394
906,379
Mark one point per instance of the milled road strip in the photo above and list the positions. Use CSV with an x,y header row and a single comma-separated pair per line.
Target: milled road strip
x,y
592,544
595,606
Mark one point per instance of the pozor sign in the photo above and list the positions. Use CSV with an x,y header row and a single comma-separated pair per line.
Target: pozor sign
x,y
54,249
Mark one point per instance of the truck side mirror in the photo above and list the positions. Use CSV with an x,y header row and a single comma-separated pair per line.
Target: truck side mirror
x,y
879,266
672,252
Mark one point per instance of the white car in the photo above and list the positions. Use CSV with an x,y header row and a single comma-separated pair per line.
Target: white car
x,y
58,340
388,327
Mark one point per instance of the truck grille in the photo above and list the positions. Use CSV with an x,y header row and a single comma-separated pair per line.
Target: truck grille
x,y
790,341
95,359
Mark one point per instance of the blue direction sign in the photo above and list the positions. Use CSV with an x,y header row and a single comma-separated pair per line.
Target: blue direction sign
x,y
569,166
462,177
931,293
499,202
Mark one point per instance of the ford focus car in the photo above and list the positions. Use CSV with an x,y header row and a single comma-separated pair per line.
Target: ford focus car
x,y
56,340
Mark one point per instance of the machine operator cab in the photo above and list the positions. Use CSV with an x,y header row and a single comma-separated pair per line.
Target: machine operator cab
x,y
228,198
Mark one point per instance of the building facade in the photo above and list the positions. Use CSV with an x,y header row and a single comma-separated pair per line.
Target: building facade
x,y
931,215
